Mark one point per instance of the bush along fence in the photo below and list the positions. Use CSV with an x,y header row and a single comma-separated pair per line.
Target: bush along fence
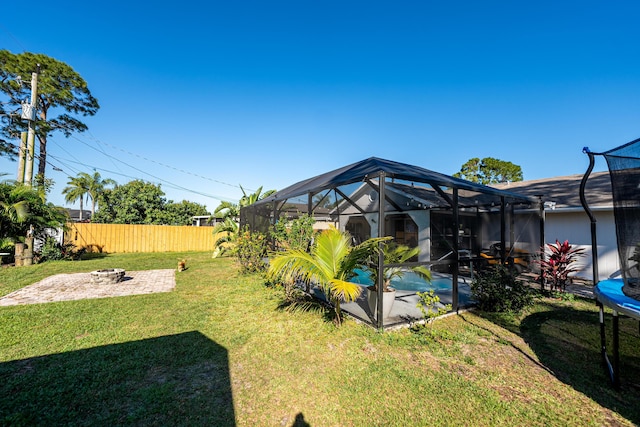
x,y
138,238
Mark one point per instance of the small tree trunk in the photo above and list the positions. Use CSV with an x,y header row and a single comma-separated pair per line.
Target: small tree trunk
x,y
19,253
28,251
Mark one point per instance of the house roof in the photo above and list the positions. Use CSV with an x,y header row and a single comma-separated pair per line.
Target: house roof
x,y
74,214
563,192
371,168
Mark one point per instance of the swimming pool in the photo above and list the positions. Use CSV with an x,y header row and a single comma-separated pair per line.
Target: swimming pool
x,y
410,281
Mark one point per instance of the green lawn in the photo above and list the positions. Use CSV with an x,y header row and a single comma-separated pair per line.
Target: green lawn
x,y
219,351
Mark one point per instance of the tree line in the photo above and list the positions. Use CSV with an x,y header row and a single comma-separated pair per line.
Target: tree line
x,y
136,202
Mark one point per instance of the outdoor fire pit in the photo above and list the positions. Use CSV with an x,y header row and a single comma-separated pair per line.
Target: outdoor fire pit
x,y
107,276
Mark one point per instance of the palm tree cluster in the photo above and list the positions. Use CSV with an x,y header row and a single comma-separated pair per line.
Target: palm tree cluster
x,y
84,187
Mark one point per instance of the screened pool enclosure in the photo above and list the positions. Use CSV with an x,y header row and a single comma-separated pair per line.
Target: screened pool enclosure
x,y
460,227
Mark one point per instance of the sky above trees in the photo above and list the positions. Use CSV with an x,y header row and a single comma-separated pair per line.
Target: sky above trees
x,y
205,97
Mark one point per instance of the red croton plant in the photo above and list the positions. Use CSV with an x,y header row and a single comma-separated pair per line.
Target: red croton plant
x,y
557,262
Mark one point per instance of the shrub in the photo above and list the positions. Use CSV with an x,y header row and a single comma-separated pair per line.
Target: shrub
x,y
498,290
251,250
294,234
430,306
555,268
52,251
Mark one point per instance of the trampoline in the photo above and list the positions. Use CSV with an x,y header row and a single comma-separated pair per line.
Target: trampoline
x,y
622,296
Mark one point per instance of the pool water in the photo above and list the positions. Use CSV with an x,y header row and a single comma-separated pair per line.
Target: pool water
x,y
410,281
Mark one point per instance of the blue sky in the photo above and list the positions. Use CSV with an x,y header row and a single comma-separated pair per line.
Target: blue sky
x,y
206,95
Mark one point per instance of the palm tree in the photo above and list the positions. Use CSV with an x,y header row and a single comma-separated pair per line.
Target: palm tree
x,y
330,264
86,186
77,189
232,210
397,254
96,187
225,233
14,212
249,199
230,214
226,210
23,209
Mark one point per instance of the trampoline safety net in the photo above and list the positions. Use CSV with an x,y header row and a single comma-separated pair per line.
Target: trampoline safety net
x,y
624,170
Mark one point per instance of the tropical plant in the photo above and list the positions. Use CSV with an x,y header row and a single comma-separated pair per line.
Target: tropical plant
x,y
51,250
559,264
230,214
96,186
226,210
330,264
323,200
430,306
23,210
225,235
396,254
249,199
77,189
84,187
231,210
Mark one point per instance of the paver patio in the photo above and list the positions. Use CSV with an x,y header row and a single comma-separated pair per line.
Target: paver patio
x,y
67,287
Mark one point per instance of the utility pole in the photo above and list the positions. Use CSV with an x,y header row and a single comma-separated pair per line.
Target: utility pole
x,y
30,115
24,251
22,155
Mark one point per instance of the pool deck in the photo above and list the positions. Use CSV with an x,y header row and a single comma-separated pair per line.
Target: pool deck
x,y
404,312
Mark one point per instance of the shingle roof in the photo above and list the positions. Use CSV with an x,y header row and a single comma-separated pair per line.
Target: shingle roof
x,y
564,191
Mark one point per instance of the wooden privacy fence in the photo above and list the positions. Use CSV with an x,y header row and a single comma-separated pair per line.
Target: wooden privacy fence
x,y
139,238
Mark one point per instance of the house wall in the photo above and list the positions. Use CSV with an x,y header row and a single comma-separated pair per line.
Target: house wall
x,y
422,219
562,225
576,227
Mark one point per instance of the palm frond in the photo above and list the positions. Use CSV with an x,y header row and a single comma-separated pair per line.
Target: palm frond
x,y
345,291
295,265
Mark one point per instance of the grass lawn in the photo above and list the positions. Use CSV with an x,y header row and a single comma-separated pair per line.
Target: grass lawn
x,y
218,351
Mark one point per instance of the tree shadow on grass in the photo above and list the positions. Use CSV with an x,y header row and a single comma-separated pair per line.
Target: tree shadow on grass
x,y
566,340
178,379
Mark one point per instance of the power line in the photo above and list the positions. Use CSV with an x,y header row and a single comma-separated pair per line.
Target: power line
x,y
159,163
15,39
168,183
112,158
76,171
138,169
